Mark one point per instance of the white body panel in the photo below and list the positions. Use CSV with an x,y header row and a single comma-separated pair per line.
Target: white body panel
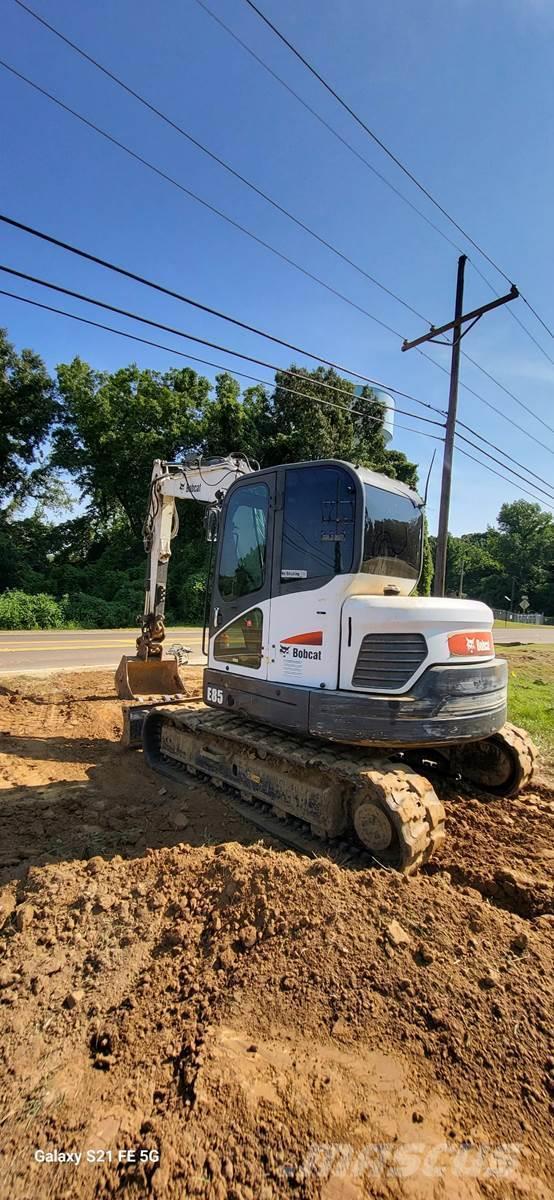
x,y
306,634
434,617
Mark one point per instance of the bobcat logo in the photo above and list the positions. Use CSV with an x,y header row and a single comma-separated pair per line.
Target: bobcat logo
x,y
284,649
470,643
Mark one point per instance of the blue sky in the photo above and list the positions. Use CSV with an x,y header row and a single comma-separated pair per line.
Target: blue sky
x,y
463,92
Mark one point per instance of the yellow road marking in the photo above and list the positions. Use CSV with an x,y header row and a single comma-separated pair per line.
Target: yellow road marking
x,y
64,646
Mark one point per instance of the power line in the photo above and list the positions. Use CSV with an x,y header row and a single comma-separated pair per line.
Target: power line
x,y
178,333
488,403
220,161
326,124
218,212
508,392
179,296
270,366
199,199
184,133
242,228
371,133
89,256
219,366
485,466
214,345
512,313
373,169
504,453
175,295
208,363
492,457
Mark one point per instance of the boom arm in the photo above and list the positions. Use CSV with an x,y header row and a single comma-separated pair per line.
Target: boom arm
x,y
204,481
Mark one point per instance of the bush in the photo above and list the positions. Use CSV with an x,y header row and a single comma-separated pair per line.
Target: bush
x,y
92,612
19,610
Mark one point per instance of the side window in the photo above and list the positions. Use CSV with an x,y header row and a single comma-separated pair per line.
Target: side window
x,y
318,523
241,641
243,548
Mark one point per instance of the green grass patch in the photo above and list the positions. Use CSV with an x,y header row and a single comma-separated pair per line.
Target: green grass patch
x,y
502,624
531,691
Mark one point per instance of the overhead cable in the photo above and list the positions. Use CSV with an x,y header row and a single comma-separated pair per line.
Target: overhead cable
x,y
215,345
217,366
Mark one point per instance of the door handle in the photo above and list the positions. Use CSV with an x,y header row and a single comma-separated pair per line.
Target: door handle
x,y
217,617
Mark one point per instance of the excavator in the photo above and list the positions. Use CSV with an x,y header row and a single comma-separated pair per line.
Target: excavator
x,y
332,693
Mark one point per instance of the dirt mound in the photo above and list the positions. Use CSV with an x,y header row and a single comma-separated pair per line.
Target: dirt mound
x,y
250,1023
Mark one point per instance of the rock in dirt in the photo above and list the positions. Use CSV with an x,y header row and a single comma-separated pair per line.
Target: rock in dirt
x,y
24,916
7,905
75,998
396,935
180,820
247,937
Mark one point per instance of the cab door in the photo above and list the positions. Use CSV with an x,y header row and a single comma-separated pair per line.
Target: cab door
x,y
240,602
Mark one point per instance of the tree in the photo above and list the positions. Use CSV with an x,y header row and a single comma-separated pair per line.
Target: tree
x,y
113,426
28,408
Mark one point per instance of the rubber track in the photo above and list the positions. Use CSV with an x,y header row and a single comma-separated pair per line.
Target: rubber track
x,y
416,811
526,751
525,756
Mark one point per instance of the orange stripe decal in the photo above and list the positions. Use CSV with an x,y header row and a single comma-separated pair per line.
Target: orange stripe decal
x,y
305,639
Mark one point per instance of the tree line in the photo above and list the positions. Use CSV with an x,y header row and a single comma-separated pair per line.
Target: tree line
x,y
98,432
86,439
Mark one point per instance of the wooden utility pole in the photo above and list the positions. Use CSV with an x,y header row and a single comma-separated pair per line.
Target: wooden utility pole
x,y
439,582
446,485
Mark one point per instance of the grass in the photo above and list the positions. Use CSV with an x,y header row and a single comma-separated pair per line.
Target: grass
x,y
502,624
531,691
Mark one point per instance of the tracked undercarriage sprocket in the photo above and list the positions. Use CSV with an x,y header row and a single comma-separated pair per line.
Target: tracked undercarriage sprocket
x,y
502,764
311,795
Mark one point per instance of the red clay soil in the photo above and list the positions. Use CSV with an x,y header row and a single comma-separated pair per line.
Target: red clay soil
x,y
204,1014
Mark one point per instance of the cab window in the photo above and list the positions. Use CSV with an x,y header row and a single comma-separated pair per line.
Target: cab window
x,y
241,641
318,523
243,548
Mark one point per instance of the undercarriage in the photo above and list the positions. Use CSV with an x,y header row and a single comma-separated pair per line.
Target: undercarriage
x,y
366,807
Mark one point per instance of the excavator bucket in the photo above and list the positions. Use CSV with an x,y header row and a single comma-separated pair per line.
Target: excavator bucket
x,y
141,679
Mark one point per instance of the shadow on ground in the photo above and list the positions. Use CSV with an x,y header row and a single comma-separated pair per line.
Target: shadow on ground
x,y
120,808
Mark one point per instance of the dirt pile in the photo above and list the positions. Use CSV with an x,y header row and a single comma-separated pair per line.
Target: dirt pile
x,y
258,1025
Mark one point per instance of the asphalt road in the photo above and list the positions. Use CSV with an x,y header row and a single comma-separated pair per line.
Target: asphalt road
x,y
55,649
538,634
66,649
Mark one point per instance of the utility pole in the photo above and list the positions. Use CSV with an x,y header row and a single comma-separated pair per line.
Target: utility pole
x,y
446,485
439,581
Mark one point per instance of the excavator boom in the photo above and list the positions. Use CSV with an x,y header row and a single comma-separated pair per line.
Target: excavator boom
x,y
147,676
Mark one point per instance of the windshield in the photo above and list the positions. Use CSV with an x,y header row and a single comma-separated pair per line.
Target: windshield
x,y
393,534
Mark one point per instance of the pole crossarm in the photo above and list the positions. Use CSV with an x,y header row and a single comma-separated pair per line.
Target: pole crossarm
x,y
458,321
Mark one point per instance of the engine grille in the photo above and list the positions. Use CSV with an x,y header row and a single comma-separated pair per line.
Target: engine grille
x,y
386,662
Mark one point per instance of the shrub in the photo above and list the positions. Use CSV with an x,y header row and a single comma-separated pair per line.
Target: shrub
x,y
19,610
92,612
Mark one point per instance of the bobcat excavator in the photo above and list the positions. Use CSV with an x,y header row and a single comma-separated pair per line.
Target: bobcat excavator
x,y
331,692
